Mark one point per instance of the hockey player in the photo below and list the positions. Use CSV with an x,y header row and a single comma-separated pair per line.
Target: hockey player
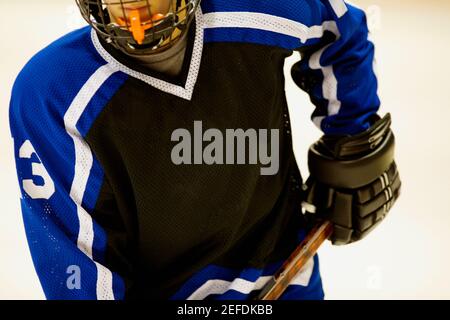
x,y
109,215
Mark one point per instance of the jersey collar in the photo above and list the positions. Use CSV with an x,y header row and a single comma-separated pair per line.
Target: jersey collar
x,y
183,91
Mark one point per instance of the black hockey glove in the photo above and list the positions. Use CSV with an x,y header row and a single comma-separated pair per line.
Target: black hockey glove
x,y
353,181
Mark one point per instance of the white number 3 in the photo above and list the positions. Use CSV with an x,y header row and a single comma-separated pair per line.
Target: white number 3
x,y
34,191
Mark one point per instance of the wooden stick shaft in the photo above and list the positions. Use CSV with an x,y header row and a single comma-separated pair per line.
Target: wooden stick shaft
x,y
293,265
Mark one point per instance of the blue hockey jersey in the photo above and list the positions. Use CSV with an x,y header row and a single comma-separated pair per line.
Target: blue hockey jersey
x,y
109,216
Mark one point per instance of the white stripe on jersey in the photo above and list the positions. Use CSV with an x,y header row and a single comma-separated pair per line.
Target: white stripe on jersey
x,y
83,166
339,7
266,22
243,286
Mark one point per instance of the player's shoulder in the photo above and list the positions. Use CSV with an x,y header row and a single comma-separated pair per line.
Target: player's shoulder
x,y
52,78
60,68
299,11
271,23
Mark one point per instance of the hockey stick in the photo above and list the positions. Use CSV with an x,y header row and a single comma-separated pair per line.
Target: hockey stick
x,y
292,266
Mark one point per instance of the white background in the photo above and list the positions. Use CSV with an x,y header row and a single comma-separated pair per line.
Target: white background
x,y
407,257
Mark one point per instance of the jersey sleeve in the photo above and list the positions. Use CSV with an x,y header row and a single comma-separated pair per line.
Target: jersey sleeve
x,y
337,69
60,181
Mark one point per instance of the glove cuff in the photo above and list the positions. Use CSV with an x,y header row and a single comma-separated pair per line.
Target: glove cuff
x,y
352,162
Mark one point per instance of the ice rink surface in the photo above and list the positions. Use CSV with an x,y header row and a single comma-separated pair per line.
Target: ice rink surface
x,y
407,257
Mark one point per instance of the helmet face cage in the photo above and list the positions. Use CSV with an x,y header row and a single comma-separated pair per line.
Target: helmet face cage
x,y
154,34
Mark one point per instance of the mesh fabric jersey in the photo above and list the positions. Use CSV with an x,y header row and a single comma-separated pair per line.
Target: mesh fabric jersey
x,y
101,197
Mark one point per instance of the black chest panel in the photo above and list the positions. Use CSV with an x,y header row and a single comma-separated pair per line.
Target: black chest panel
x,y
166,221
